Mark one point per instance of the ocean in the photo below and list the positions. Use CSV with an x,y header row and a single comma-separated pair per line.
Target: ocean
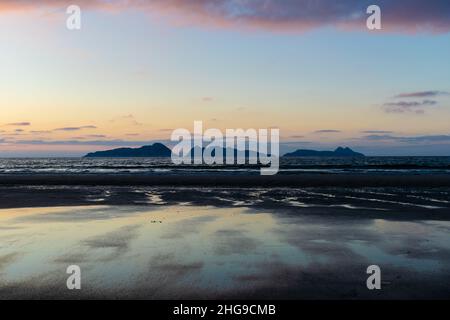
x,y
164,166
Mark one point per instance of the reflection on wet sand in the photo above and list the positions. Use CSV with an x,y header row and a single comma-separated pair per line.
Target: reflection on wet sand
x,y
163,252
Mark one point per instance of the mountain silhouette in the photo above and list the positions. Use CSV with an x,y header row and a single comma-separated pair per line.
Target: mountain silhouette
x,y
155,150
161,151
158,150
339,152
234,152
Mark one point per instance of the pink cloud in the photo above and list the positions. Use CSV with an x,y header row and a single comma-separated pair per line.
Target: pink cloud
x,y
408,16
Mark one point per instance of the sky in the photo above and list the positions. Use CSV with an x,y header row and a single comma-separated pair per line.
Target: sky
x,y
136,70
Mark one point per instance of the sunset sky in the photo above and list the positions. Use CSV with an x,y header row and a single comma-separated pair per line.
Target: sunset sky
x,y
139,69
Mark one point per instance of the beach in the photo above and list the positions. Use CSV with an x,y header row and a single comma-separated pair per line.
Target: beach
x,y
205,252
143,238
145,229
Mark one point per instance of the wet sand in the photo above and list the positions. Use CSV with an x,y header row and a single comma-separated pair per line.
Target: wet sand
x,y
190,242
239,180
204,252
385,203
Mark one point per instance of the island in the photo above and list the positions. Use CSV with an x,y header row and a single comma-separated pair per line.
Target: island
x,y
156,150
159,150
339,152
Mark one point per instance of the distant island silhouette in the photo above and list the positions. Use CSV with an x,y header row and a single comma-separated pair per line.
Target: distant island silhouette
x,y
153,151
339,152
159,150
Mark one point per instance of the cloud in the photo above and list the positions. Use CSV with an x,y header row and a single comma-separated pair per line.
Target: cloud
x,y
40,131
408,16
413,139
377,137
411,104
95,136
327,131
74,128
408,106
19,124
15,134
129,119
421,94
92,136
79,142
377,132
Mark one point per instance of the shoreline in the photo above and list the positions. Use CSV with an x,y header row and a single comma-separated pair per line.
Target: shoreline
x,y
243,181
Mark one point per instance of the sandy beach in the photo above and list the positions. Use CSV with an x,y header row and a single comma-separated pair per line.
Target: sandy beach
x,y
186,242
192,252
240,236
